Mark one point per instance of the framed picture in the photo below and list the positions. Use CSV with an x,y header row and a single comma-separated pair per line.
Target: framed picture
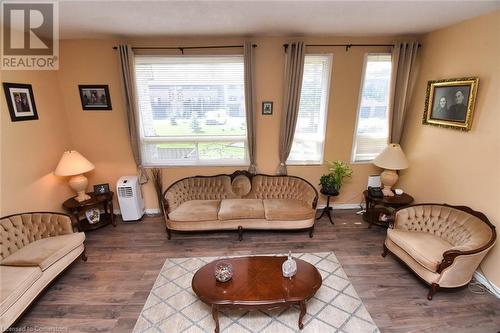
x,y
267,108
20,101
95,97
450,103
101,188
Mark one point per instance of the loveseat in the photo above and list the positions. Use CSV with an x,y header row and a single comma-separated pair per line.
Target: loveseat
x,y
34,249
240,201
442,244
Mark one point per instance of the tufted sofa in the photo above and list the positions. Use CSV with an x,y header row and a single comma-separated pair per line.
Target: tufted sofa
x,y
442,244
34,249
239,201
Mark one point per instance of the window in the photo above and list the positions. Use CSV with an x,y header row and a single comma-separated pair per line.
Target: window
x,y
372,128
309,138
192,110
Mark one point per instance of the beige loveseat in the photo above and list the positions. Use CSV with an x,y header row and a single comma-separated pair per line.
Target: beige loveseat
x,y
240,201
442,244
34,249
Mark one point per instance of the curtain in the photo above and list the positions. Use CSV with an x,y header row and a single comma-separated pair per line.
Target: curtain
x,y
294,68
126,56
404,72
250,112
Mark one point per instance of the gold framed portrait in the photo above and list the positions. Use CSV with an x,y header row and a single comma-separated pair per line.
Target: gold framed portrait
x,y
450,103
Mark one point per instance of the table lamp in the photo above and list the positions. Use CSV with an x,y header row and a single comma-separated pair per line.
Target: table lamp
x,y
392,158
73,164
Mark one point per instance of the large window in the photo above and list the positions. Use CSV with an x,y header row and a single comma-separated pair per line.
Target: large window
x,y
309,139
192,110
372,128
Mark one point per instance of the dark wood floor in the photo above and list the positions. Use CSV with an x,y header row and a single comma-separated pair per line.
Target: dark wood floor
x,y
106,294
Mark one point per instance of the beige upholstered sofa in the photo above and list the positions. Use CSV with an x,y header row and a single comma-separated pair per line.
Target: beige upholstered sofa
x,y
442,244
240,201
34,249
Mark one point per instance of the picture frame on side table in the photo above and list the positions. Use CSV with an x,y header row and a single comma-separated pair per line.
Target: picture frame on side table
x,y
95,97
20,101
450,103
101,188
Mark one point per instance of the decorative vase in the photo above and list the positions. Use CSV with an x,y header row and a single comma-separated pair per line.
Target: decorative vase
x,y
93,215
289,267
223,271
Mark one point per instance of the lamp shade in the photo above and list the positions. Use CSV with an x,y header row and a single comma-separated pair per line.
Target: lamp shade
x,y
392,158
73,163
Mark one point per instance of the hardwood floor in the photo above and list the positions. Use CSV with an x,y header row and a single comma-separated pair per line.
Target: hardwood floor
x,y
106,294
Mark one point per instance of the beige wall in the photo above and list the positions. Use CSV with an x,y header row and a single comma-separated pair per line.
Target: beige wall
x,y
102,136
31,149
453,166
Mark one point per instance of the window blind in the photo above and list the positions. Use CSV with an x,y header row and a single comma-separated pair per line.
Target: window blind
x,y
192,110
309,139
372,127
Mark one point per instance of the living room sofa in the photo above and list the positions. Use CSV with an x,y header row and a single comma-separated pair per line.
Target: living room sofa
x,y
441,244
34,249
240,201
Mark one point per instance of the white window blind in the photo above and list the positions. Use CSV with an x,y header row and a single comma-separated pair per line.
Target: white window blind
x,y
192,110
372,127
309,140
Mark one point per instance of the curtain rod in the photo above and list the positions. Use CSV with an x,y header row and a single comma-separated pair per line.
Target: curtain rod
x,y
347,46
182,48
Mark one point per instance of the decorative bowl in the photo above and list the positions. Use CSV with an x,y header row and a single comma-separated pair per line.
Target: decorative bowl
x,y
223,271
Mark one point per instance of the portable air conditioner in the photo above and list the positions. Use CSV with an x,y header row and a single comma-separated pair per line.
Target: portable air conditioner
x,y
130,198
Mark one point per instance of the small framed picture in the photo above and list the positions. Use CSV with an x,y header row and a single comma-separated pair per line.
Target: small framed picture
x,y
95,97
20,101
101,188
450,103
267,108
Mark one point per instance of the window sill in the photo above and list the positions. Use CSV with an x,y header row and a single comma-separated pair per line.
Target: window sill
x,y
165,166
304,163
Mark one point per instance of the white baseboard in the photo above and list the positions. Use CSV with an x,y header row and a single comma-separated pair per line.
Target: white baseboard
x,y
147,211
341,206
487,283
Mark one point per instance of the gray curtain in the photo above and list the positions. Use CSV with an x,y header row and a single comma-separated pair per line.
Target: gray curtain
x,y
404,73
127,74
250,112
294,68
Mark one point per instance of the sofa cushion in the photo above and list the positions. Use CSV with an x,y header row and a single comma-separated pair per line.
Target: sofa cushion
x,y
14,282
231,209
287,209
427,249
241,185
196,210
44,252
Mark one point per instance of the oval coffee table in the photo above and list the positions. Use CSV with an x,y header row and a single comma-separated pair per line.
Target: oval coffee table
x,y
257,283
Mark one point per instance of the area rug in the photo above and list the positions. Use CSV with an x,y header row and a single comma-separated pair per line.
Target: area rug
x,y
172,307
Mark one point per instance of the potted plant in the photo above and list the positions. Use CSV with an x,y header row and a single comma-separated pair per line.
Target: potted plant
x,y
332,181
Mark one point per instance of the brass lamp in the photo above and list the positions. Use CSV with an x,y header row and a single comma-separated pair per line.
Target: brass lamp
x,y
73,164
392,158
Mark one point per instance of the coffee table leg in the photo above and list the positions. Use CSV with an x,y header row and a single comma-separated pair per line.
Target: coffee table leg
x,y
302,313
215,315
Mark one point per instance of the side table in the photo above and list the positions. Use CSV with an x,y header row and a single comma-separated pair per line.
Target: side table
x,y
76,209
327,210
384,205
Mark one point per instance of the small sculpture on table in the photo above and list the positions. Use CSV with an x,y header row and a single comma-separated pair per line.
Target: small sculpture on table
x,y
223,271
289,267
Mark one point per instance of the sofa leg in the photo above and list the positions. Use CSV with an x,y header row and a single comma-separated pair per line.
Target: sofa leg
x,y
84,255
240,233
311,231
432,290
384,253
169,233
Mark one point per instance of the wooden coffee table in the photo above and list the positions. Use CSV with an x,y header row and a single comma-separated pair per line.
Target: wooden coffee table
x,y
257,283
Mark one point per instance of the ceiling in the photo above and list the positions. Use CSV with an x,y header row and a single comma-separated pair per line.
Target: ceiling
x,y
101,19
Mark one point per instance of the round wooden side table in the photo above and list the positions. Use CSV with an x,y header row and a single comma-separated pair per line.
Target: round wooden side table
x,y
77,209
384,205
327,210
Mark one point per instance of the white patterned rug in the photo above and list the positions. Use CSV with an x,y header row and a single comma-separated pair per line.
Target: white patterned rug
x,y
172,306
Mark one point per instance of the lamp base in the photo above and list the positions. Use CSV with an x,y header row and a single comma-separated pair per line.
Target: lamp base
x,y
388,179
79,184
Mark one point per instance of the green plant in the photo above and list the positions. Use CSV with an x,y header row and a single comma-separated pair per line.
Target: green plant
x,y
339,171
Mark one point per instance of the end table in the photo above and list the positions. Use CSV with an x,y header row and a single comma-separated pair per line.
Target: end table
x,y
327,210
76,209
384,205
